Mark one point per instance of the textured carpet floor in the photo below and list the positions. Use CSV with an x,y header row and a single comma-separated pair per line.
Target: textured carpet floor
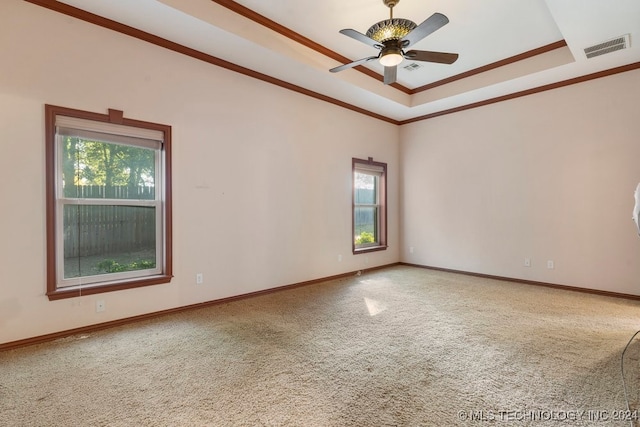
x,y
401,346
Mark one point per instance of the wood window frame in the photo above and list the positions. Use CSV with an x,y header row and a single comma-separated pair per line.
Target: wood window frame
x,y
54,292
382,197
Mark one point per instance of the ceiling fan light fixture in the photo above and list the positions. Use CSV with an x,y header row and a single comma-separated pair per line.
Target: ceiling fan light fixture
x,y
391,59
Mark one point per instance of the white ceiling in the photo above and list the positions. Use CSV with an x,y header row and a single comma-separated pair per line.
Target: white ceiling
x,y
481,32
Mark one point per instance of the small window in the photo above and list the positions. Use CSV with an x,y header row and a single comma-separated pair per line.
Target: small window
x,y
369,205
108,202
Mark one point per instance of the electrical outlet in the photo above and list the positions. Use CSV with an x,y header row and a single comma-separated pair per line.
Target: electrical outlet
x,y
550,264
339,258
199,279
527,262
100,306
410,249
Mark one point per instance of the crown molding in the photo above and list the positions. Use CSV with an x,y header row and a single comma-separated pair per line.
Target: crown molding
x,y
101,21
544,88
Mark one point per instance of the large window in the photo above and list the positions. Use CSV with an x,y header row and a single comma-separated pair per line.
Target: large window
x,y
108,202
369,205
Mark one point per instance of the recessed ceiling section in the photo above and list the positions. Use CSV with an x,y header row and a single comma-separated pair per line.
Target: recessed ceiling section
x,y
509,71
481,32
220,15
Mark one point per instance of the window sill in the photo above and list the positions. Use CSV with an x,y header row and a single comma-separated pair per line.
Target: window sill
x,y
357,251
78,291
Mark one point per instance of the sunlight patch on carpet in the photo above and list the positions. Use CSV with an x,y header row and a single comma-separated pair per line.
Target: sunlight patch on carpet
x,y
374,307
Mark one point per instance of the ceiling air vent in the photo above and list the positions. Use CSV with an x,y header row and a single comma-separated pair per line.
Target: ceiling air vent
x,y
412,67
619,43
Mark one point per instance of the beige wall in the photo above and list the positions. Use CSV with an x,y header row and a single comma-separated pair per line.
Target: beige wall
x,y
262,175
550,176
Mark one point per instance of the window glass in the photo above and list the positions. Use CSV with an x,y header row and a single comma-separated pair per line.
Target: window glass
x,y
102,239
99,169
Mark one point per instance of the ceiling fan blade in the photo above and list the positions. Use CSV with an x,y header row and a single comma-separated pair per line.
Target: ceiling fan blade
x,y
390,74
425,55
431,24
352,64
361,38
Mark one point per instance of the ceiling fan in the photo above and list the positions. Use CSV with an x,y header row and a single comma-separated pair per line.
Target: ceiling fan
x,y
392,36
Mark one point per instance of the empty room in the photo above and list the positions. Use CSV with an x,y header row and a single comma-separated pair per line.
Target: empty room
x,y
333,213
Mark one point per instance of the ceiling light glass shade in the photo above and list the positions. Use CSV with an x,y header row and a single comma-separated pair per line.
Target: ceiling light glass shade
x,y
390,29
391,59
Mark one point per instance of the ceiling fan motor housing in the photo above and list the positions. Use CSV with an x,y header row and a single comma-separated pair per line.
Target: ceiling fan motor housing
x,y
390,29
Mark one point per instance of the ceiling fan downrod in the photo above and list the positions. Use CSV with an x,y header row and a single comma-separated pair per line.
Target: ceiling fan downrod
x,y
390,4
